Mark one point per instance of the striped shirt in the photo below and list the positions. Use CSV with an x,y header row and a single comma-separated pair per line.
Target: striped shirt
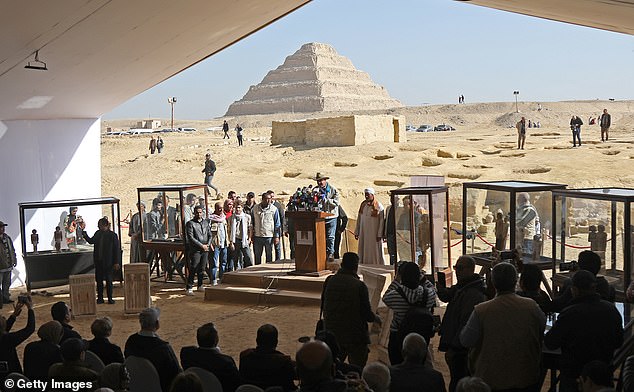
x,y
393,299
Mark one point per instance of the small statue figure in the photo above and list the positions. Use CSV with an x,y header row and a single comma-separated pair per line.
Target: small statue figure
x,y
57,235
35,239
598,242
501,230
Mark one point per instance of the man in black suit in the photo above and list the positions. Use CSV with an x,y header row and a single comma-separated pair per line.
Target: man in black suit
x,y
106,256
208,356
264,366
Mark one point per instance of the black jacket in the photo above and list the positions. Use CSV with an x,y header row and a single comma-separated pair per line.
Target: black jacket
x,y
198,234
38,358
462,298
221,365
10,340
588,329
107,251
267,368
347,309
157,351
605,291
410,377
106,351
68,333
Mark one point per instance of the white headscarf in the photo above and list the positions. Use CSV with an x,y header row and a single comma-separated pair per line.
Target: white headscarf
x,y
369,190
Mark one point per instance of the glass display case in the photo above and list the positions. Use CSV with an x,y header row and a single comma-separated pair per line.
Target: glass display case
x,y
53,246
596,219
418,226
167,208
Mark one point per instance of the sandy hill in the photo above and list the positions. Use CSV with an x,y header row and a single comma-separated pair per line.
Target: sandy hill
x,y
483,147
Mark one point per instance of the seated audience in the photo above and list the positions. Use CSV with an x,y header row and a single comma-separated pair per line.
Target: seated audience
x,y
587,261
596,376
115,376
208,356
147,344
404,292
377,376
264,366
472,384
186,382
505,336
40,355
10,340
341,367
73,367
588,329
530,281
412,374
316,372
108,352
62,313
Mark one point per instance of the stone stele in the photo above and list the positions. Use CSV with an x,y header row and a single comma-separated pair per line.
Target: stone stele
x,y
314,79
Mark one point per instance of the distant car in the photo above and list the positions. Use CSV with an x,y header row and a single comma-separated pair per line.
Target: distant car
x,y
410,128
186,129
425,128
444,127
213,129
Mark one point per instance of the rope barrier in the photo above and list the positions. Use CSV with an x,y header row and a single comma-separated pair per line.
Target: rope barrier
x,y
452,245
483,240
574,246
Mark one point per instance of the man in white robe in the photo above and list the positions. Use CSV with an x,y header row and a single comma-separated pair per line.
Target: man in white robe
x,y
369,230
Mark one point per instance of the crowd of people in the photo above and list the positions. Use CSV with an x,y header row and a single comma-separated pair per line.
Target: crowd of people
x,y
490,343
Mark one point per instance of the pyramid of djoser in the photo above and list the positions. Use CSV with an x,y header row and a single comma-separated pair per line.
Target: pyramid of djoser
x,y
314,79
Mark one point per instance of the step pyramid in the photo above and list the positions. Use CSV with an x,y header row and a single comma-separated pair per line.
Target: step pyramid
x,y
314,79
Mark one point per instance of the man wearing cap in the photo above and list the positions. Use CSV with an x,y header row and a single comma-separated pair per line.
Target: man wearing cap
x,y
147,344
210,170
8,260
330,204
369,230
588,329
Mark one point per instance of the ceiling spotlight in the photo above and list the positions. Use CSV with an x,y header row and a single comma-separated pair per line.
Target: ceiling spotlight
x,y
36,64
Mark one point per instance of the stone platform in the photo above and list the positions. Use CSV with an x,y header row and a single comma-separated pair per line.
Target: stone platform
x,y
267,284
270,284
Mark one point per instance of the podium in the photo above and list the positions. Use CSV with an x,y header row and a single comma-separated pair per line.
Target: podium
x,y
310,242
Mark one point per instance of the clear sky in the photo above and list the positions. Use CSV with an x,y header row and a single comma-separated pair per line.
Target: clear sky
x,y
421,51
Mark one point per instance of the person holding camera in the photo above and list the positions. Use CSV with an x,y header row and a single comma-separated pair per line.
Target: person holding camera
x,y
8,260
9,361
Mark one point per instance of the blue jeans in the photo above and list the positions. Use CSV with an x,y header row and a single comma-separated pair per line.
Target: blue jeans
x,y
208,180
260,243
331,228
219,263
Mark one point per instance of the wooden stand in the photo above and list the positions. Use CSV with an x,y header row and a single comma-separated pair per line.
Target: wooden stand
x,y
310,242
82,294
136,287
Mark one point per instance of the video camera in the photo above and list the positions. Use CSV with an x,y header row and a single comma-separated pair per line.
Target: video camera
x,y
568,266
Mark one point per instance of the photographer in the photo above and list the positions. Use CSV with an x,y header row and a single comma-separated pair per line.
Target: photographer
x,y
9,361
588,261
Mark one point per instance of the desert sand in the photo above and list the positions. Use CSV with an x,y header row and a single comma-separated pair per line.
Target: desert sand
x,y
483,147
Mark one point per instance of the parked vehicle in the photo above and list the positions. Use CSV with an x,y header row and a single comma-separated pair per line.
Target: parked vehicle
x,y
409,128
186,129
444,127
425,128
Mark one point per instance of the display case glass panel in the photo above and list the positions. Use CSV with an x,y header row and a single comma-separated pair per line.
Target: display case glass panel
x,y
596,219
53,245
168,208
418,226
508,215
